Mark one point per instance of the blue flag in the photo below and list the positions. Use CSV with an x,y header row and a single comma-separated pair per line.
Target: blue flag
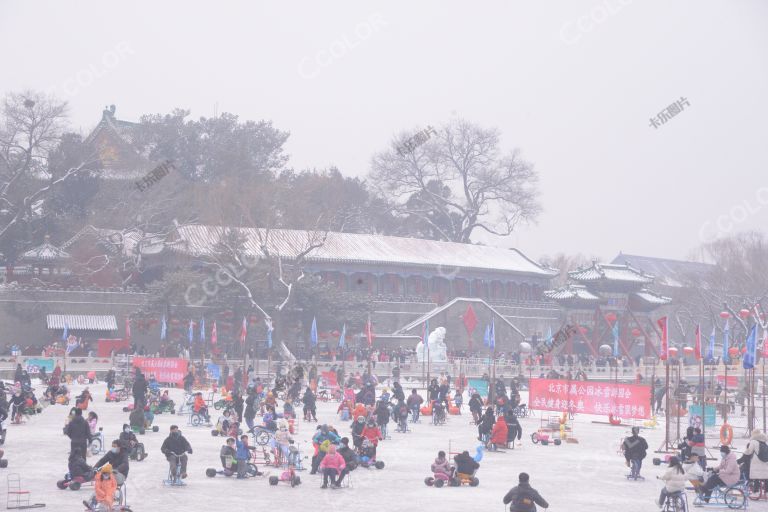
x,y
343,336
548,341
616,339
492,335
711,349
163,329
750,355
65,334
487,336
191,332
202,330
726,343
270,328
313,333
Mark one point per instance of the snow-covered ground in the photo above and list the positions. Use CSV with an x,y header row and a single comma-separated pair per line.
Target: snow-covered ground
x,y
588,476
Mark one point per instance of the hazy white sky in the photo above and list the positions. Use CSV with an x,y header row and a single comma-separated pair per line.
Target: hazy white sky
x,y
572,83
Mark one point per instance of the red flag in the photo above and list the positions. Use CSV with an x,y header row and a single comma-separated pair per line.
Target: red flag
x,y
369,331
243,331
127,328
664,341
214,338
697,347
470,320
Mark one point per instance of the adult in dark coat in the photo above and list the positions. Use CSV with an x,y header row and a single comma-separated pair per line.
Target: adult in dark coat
x,y
486,422
118,457
79,433
524,498
139,390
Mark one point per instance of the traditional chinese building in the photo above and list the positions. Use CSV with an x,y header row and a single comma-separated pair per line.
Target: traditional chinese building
x,y
604,300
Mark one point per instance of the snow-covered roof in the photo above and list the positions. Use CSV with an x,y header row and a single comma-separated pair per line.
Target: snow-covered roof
x,y
199,240
571,292
610,272
82,322
672,273
44,253
652,297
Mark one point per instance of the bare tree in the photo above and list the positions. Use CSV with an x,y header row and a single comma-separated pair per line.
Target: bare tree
x,y
565,263
269,275
458,181
31,126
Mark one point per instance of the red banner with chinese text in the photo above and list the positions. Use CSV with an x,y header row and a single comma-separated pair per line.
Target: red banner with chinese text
x,y
167,370
589,397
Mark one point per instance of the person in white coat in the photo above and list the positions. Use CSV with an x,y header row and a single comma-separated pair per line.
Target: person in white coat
x,y
758,469
675,479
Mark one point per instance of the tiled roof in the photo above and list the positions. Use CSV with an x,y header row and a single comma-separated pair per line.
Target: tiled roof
x,y
673,273
610,272
652,297
199,240
571,292
82,322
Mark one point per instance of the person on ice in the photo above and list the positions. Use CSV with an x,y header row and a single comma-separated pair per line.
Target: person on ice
x,y
331,466
105,488
524,498
675,479
176,445
727,473
635,448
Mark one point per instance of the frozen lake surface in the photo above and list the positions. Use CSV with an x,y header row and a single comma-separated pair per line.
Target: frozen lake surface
x,y
588,476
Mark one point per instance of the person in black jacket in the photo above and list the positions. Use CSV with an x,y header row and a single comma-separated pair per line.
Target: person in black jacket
x,y
465,464
433,390
78,432
176,445
486,424
250,408
18,375
118,458
514,430
476,407
131,444
634,448
139,390
524,498
350,458
237,404
397,391
78,468
310,406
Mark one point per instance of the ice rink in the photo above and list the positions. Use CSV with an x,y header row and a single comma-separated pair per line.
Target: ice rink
x,y
588,476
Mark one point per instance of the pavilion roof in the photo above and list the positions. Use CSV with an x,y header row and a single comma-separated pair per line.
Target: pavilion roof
x,y
572,292
652,298
610,272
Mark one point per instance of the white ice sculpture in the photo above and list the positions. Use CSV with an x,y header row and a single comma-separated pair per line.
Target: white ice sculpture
x,y
438,351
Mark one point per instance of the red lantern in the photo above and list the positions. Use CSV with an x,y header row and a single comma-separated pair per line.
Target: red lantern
x,y
636,332
688,351
733,351
744,314
336,333
673,352
583,330
611,317
725,314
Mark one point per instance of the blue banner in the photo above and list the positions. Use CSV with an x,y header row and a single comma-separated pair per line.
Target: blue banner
x,y
34,365
480,386
694,415
213,371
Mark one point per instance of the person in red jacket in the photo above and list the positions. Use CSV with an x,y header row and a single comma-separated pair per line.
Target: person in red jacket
x,y
499,433
372,433
331,466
